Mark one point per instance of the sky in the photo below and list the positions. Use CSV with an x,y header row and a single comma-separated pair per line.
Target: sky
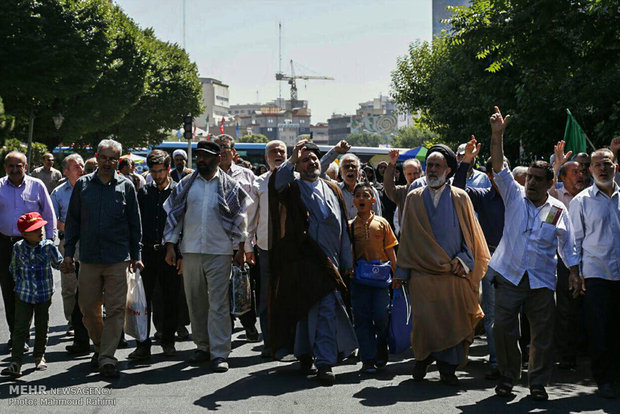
x,y
357,42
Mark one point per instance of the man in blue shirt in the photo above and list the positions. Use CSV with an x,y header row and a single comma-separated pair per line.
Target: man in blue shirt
x,y
104,217
489,207
525,261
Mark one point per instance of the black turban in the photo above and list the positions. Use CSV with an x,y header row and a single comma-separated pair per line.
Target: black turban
x,y
447,153
312,147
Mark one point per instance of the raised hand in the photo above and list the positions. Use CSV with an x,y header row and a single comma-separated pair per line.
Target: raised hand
x,y
342,147
295,154
560,157
472,149
498,122
615,146
393,154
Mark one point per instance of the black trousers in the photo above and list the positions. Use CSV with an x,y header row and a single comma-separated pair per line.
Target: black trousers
x,y
80,332
602,311
158,274
6,281
569,330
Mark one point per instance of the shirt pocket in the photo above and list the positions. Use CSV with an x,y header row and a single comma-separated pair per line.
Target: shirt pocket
x,y
31,203
117,205
548,235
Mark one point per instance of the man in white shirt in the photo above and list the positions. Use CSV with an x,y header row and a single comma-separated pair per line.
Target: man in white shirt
x,y
209,207
595,214
536,226
258,231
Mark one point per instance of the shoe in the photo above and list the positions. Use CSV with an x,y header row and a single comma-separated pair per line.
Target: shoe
x,y
504,388
382,357
199,357
449,379
251,335
368,367
492,374
140,353
169,350
182,334
77,349
326,376
606,391
122,344
13,370
219,365
94,362
109,371
70,332
538,393
158,336
41,364
419,370
306,366
265,353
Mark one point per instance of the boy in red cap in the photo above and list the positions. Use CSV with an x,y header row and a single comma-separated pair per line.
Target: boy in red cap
x,y
31,267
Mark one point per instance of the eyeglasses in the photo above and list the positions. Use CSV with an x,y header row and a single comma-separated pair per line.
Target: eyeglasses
x,y
350,167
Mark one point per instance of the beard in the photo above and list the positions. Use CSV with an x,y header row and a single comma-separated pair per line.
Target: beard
x,y
311,174
207,169
436,182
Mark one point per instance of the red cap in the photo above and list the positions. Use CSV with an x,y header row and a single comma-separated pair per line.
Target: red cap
x,y
30,222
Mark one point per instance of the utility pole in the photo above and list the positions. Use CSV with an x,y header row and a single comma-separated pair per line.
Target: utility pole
x,y
279,60
184,25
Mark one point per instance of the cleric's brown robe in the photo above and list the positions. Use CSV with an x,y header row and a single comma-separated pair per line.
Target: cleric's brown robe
x,y
444,306
301,274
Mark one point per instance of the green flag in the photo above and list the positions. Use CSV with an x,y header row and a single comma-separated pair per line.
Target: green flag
x,y
574,136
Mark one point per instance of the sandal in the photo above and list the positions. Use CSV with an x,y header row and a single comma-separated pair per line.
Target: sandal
x,y
504,388
538,393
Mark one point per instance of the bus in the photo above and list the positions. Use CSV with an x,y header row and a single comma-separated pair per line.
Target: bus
x,y
255,152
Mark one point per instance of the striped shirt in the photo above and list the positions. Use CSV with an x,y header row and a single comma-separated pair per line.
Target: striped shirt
x,y
531,236
31,267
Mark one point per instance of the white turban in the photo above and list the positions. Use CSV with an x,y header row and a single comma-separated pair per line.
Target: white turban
x,y
180,152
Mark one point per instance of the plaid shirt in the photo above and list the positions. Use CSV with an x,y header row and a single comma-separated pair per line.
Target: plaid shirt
x,y
31,267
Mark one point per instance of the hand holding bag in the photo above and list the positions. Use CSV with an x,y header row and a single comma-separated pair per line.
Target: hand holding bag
x,y
240,290
136,319
401,324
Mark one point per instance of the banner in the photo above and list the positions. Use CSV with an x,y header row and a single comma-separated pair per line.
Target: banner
x,y
573,135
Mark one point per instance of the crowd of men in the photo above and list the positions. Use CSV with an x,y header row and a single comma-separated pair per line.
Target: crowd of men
x,y
532,254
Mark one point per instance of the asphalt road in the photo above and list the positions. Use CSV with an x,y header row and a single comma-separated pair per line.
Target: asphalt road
x,y
255,385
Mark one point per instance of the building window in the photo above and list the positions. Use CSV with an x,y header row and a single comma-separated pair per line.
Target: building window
x,y
269,129
270,120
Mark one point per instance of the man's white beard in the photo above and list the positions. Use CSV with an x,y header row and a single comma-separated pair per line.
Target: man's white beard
x,y
437,182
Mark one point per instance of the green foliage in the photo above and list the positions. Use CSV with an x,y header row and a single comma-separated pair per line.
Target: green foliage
x,y
532,58
253,138
7,122
413,137
13,144
364,139
89,61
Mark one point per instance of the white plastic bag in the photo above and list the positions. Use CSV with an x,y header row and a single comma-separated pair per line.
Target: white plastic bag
x,y
136,319
240,290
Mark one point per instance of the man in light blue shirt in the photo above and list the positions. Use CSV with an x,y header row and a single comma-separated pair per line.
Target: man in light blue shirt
x,y
595,215
536,226
73,166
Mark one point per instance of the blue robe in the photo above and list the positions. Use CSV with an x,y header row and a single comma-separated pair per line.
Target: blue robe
x,y
447,231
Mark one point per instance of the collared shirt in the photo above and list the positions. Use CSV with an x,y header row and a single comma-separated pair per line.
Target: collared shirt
x,y
478,179
596,222
151,201
176,176
203,232
244,176
105,218
60,200
488,204
50,178
29,197
372,238
348,201
31,267
562,194
258,214
531,236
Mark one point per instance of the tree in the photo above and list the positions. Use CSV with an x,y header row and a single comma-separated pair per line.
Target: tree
x,y
364,139
254,138
413,136
7,122
532,58
13,144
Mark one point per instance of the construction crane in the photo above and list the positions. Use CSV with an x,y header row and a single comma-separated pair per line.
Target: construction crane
x,y
291,80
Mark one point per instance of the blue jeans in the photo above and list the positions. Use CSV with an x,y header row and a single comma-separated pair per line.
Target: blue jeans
x,y
488,307
370,318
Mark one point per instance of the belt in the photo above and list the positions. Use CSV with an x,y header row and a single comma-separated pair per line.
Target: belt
x,y
155,247
11,239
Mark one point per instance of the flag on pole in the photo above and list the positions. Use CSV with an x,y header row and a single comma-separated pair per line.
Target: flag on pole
x,y
222,126
573,135
237,129
207,126
194,131
179,134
